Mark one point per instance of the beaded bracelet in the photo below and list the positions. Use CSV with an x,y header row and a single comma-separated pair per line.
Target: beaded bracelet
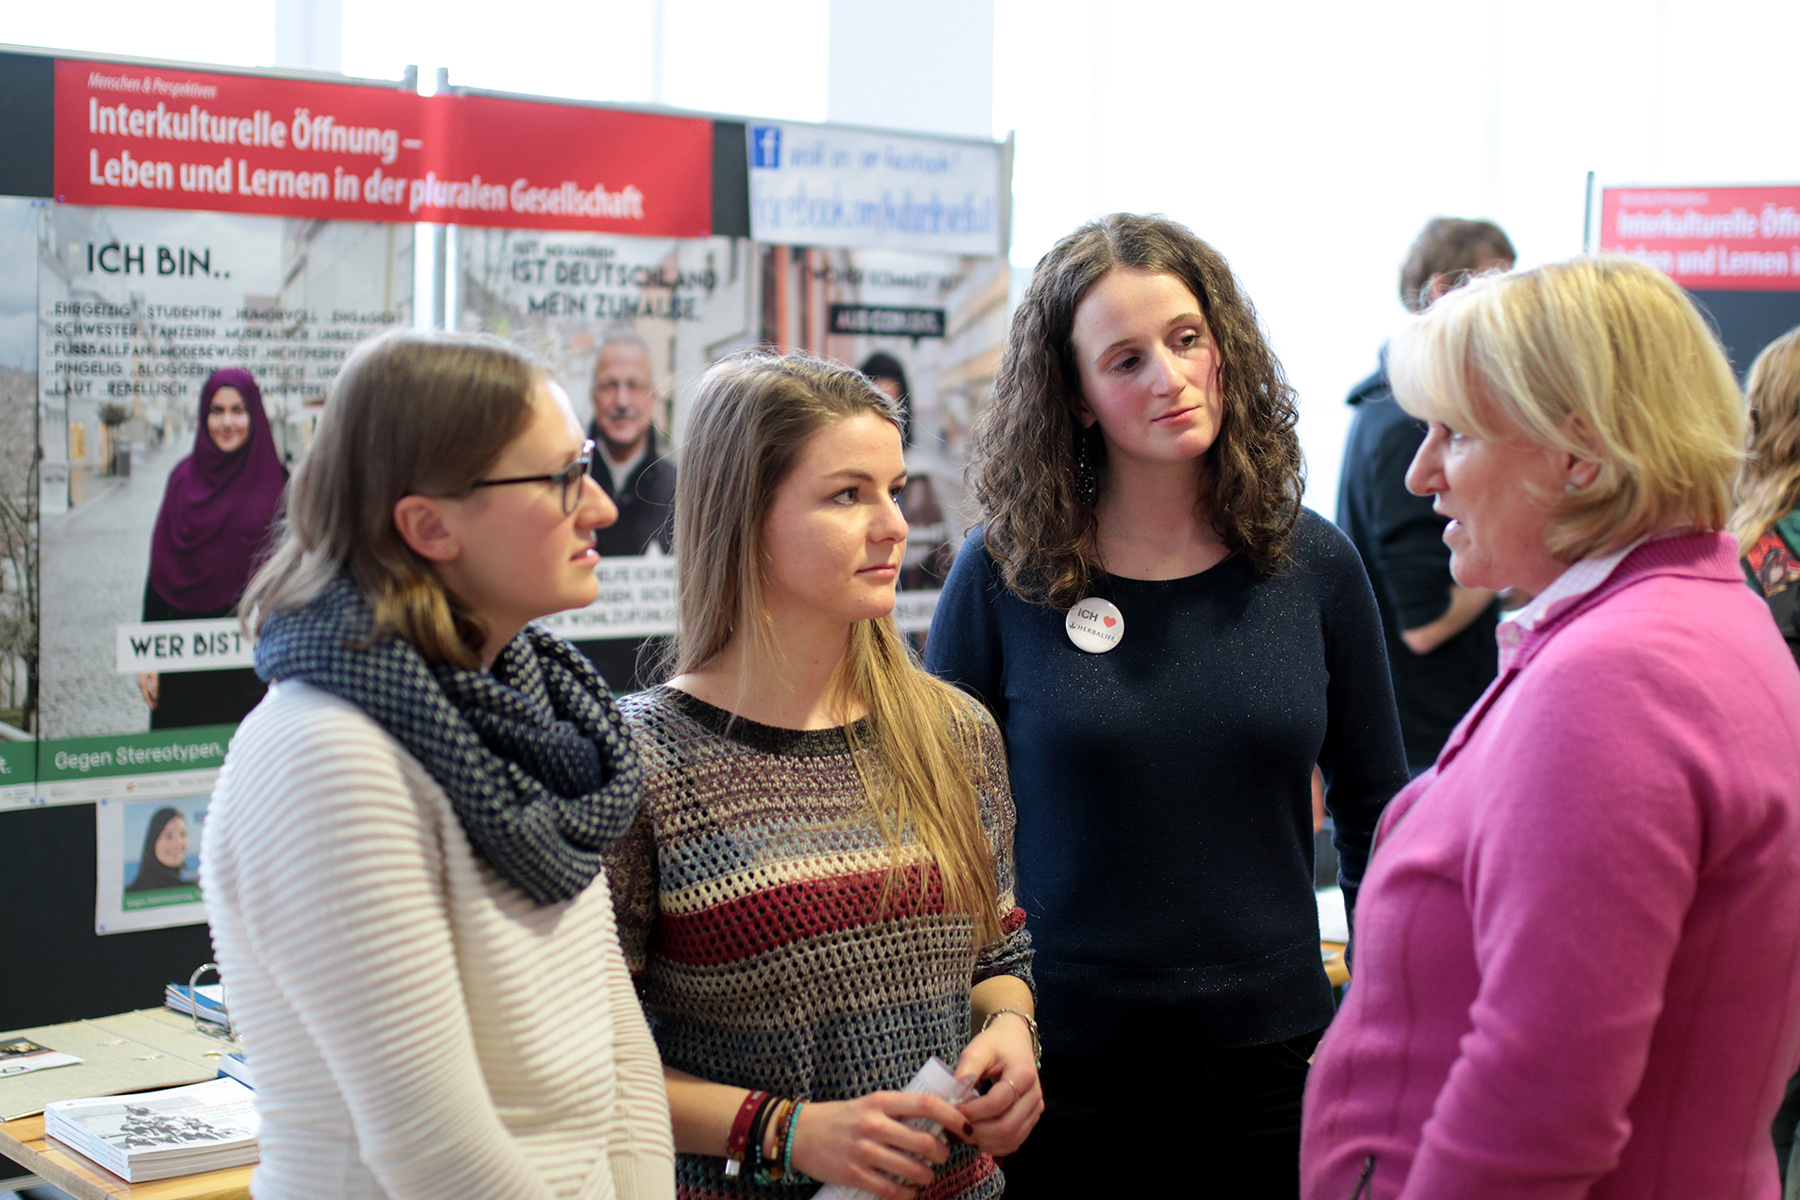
x,y
1037,1046
787,1141
781,1164
766,1169
759,1126
768,1172
738,1140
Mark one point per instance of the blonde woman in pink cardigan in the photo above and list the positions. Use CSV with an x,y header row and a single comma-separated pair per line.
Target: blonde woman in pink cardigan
x,y
1578,943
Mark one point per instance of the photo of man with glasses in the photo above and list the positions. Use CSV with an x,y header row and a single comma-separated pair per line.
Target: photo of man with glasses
x,y
627,463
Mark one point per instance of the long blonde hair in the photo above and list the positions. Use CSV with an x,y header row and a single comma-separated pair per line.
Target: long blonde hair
x,y
751,420
410,412
1768,484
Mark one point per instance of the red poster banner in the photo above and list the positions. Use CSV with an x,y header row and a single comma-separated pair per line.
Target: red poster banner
x,y
1708,239
155,137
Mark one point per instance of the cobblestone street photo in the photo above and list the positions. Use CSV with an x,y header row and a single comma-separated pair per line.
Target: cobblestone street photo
x,y
95,557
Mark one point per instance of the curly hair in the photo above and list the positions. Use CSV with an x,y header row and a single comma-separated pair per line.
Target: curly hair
x,y
1040,531
1768,484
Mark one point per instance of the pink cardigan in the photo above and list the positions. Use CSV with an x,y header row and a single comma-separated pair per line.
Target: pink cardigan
x,y
1578,943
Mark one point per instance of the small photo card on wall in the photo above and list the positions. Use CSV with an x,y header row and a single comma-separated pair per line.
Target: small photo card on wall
x,y
149,862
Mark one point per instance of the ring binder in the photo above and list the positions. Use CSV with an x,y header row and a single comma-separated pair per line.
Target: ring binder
x,y
225,1030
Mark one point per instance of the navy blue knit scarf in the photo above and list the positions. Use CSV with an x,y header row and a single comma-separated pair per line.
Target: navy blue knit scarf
x,y
533,754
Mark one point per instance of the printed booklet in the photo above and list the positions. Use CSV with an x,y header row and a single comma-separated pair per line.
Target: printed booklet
x,y
206,1001
22,1054
153,1135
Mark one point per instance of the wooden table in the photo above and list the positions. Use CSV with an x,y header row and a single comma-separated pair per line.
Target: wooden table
x,y
24,1142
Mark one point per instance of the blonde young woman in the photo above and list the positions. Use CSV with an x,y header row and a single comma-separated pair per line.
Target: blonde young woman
x,y
1767,518
1578,971
403,854
817,895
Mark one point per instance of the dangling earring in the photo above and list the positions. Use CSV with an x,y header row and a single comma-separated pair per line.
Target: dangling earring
x,y
1087,479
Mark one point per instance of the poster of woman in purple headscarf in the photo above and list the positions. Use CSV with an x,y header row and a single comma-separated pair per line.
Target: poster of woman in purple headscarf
x,y
218,512
185,358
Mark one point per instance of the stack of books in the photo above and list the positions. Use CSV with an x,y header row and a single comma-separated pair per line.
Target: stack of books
x,y
154,1135
206,1001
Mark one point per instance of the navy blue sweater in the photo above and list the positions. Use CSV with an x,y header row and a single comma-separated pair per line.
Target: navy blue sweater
x,y
1164,840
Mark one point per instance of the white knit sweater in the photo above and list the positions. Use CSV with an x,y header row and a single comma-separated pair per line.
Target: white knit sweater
x,y
418,1026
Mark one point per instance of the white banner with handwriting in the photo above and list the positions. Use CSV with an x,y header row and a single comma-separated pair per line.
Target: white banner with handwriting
x,y
821,185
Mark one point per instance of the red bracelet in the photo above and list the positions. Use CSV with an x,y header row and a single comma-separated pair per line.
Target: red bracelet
x,y
739,1140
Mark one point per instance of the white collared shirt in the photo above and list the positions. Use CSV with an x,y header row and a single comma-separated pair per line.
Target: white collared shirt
x,y
1576,581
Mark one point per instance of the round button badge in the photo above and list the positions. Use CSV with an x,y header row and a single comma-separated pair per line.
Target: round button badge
x,y
1095,625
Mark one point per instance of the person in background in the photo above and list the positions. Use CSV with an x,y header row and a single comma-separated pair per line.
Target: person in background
x,y
164,855
1440,636
928,553
629,467
639,479
817,895
218,513
1578,939
1766,522
1170,643
1767,518
887,374
403,855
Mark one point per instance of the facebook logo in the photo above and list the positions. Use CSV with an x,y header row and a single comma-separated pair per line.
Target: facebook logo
x,y
765,145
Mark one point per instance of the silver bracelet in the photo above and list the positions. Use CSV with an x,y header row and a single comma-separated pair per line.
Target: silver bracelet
x,y
1037,1046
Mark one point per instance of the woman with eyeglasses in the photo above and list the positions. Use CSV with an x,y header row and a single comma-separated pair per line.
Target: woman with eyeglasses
x,y
403,856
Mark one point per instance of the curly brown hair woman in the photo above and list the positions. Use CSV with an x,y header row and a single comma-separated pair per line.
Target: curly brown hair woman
x,y
1037,500
1171,643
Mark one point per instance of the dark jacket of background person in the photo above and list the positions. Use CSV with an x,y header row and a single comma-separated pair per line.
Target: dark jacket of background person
x,y
1401,542
646,517
646,502
217,512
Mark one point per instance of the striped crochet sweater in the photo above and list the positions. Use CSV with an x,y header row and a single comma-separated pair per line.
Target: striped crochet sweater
x,y
750,906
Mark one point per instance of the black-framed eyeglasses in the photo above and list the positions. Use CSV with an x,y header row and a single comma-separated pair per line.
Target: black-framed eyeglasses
x,y
568,480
